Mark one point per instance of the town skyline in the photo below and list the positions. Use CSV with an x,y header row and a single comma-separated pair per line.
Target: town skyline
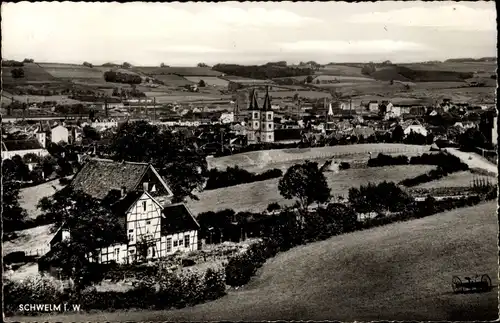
x,y
247,33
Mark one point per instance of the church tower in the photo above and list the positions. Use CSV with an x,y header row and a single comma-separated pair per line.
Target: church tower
x,y
254,120
267,120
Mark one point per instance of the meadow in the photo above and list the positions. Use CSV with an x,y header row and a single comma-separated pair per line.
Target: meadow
x,y
257,196
209,80
32,72
340,70
401,271
183,71
69,71
274,156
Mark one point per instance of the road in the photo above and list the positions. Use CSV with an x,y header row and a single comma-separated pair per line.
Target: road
x,y
476,161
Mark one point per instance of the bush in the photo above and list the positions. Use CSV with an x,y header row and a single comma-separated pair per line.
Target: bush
x,y
235,176
242,267
387,160
33,290
344,165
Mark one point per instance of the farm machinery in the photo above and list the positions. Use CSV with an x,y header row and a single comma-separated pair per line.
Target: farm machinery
x,y
476,283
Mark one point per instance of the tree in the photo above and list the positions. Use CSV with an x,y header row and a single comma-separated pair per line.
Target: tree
x,y
126,65
306,183
49,165
201,83
202,65
172,154
91,133
398,134
13,215
87,64
28,60
368,69
92,225
309,79
471,139
17,73
273,207
163,65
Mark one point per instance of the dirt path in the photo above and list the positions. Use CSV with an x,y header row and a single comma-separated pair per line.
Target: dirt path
x,y
476,161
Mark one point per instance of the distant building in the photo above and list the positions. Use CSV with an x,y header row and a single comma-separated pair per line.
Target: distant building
x,y
415,127
227,117
11,148
261,121
59,133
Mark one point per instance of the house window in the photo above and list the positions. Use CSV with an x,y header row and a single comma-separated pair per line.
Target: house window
x,y
131,237
154,252
144,205
255,115
148,222
131,230
175,243
132,251
117,253
270,126
169,244
186,241
149,251
268,116
256,124
270,137
180,242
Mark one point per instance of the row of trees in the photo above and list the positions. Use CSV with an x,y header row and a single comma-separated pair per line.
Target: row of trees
x,y
117,77
262,71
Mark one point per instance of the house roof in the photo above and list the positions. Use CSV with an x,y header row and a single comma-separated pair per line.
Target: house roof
x,y
254,104
177,218
15,145
99,176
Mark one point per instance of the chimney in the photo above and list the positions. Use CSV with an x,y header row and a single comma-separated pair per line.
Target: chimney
x,y
145,186
123,191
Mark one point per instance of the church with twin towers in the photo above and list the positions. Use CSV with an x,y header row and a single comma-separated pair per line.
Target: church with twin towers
x,y
261,120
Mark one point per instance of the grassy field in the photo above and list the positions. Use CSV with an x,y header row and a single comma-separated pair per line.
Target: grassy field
x,y
32,72
30,196
473,67
401,271
460,179
343,78
340,70
274,156
209,80
72,71
30,240
257,196
301,93
172,80
183,71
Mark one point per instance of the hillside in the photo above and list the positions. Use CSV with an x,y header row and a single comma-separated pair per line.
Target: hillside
x,y
401,271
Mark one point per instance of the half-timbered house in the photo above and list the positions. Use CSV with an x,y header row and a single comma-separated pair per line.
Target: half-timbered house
x,y
143,204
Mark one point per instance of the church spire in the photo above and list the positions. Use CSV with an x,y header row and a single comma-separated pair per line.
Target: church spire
x,y
267,101
254,104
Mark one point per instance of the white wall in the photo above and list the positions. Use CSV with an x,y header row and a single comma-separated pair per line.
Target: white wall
x,y
9,154
59,134
494,135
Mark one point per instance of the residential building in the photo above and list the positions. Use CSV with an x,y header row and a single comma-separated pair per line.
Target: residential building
x,y
144,203
261,120
11,148
416,127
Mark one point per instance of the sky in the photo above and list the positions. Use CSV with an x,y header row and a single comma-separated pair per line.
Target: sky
x,y
184,34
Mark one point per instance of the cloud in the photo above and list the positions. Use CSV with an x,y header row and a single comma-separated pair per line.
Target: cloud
x,y
353,47
456,17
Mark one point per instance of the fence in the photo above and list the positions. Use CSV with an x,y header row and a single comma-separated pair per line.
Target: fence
x,y
478,182
38,252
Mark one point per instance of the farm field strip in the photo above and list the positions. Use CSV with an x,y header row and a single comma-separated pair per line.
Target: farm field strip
x,y
459,179
209,80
